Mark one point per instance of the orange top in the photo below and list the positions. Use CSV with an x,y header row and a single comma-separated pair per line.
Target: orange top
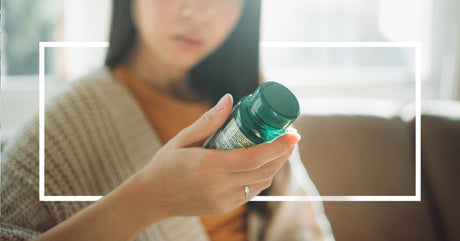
x,y
168,116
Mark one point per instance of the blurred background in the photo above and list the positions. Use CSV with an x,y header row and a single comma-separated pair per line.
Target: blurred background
x,y
357,121
316,74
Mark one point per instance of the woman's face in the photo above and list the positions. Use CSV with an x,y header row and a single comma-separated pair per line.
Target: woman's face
x,y
183,32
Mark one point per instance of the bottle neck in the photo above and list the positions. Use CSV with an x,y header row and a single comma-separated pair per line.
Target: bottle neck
x,y
253,125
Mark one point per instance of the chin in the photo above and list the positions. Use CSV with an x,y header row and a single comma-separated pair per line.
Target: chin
x,y
185,62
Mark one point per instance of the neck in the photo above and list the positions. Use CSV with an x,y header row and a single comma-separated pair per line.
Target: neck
x,y
161,76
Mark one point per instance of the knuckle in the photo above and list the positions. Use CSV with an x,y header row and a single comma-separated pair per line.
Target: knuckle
x,y
278,164
251,164
266,173
266,184
270,181
207,118
251,161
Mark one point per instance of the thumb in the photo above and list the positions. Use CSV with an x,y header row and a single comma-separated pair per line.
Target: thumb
x,y
207,124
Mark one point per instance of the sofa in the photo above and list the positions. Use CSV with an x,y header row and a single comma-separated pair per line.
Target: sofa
x,y
364,147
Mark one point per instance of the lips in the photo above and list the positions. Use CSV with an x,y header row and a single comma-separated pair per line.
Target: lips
x,y
188,42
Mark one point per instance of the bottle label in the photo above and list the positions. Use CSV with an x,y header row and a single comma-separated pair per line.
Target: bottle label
x,y
231,138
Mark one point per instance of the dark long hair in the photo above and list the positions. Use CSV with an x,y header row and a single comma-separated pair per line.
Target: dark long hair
x,y
232,68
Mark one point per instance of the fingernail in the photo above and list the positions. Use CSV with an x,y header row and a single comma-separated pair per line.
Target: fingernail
x,y
222,102
291,129
293,141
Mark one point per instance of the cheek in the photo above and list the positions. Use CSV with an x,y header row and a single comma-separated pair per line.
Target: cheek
x,y
225,19
150,17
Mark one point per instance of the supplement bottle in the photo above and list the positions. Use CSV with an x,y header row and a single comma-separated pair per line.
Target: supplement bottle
x,y
257,118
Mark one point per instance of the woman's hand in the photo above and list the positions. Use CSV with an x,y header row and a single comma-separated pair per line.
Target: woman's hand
x,y
184,179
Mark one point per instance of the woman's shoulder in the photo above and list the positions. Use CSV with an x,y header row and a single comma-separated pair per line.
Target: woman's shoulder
x,y
93,110
90,96
92,125
101,76
93,102
96,83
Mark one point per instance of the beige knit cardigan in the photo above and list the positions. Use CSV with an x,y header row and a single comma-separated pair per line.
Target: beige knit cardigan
x,y
96,136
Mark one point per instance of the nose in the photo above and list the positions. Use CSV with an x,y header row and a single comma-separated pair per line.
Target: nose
x,y
196,9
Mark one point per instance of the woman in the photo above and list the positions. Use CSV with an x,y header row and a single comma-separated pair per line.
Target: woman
x,y
133,132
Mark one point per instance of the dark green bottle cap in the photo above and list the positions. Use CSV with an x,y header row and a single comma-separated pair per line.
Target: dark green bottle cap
x,y
275,104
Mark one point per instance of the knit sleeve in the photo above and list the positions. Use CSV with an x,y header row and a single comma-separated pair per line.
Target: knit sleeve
x,y
23,216
10,232
84,156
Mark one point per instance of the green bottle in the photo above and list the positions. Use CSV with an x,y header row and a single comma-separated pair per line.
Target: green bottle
x,y
257,118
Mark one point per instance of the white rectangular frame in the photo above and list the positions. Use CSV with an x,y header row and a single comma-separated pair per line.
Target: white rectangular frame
x,y
396,198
